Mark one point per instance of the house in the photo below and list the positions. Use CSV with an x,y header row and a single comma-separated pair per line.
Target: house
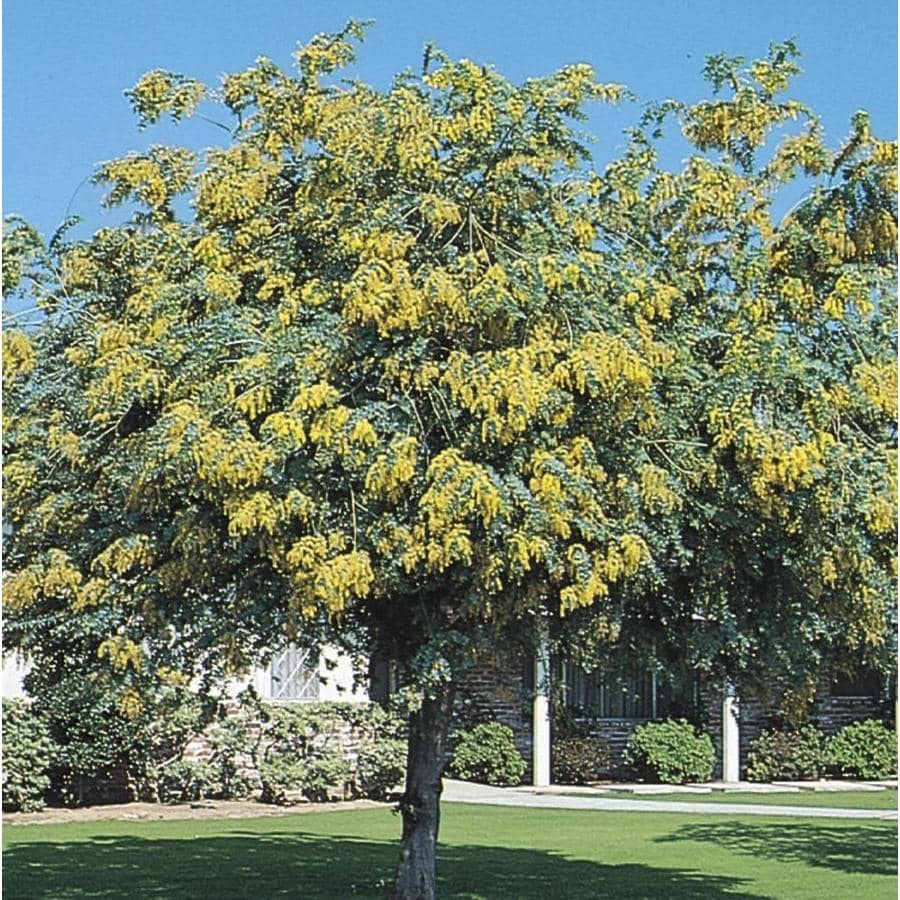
x,y
518,693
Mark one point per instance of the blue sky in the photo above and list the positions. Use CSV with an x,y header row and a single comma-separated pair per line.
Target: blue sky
x,y
66,63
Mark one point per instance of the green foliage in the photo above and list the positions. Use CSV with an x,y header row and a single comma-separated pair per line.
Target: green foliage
x,y
27,755
280,773
487,754
186,780
232,742
326,772
381,766
864,750
579,760
788,755
413,376
670,752
299,748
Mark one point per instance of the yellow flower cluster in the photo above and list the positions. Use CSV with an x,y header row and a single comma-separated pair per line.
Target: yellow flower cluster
x,y
92,593
18,354
226,459
523,549
619,560
415,134
382,292
122,652
655,491
439,211
603,364
653,301
878,381
393,469
777,462
124,554
152,179
168,675
459,490
66,442
56,576
850,288
159,92
508,390
798,295
234,184
259,511
254,401
131,703
320,580
222,287
328,52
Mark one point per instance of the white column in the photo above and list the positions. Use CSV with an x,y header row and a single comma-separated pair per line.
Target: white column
x,y
731,743
540,730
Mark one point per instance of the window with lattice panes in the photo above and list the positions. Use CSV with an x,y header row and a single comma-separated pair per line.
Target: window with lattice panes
x,y
295,675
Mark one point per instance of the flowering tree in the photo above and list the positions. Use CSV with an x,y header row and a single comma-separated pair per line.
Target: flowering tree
x,y
412,377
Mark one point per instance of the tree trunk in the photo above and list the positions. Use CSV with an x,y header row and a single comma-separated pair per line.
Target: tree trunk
x,y
420,805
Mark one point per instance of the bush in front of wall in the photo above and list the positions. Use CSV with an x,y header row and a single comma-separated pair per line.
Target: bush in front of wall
x,y
670,752
864,750
788,755
380,767
27,756
186,780
579,760
487,754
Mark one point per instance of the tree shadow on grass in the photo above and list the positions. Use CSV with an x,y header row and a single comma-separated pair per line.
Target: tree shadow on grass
x,y
240,864
858,848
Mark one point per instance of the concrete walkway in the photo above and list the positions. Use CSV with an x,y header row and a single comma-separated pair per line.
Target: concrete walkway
x,y
544,798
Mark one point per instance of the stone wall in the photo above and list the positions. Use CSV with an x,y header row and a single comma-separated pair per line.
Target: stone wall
x,y
348,737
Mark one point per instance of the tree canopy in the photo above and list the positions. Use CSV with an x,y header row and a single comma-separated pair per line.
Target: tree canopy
x,y
410,375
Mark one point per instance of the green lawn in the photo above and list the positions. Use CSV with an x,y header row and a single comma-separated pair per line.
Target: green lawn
x,y
487,852
886,799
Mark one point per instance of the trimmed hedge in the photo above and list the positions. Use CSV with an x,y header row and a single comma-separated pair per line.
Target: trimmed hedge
x,y
789,755
864,750
670,752
579,760
487,754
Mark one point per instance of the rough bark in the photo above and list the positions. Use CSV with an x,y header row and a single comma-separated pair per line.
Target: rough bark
x,y
420,805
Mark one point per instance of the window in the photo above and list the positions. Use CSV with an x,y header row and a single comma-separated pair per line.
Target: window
x,y
612,694
861,683
295,675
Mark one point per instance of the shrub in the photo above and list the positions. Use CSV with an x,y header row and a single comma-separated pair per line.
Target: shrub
x,y
299,749
231,740
579,760
670,752
380,766
279,774
27,755
326,771
864,750
488,755
787,755
186,780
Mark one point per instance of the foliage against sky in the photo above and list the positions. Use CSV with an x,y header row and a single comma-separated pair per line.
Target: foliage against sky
x,y
414,376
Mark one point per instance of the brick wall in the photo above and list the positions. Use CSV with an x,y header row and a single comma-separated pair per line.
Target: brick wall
x,y
499,691
496,691
829,713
